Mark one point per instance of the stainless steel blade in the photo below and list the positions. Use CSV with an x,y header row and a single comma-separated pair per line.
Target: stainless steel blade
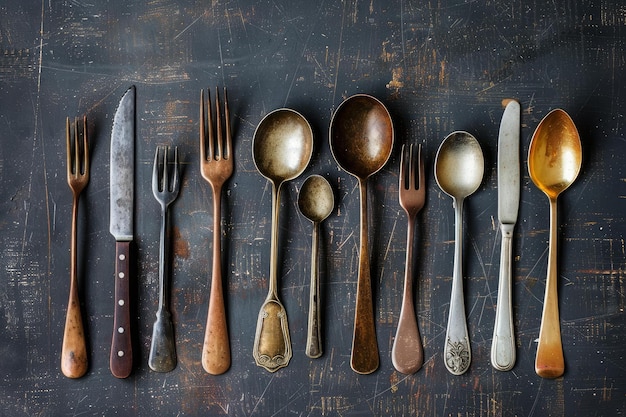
x,y
122,168
508,164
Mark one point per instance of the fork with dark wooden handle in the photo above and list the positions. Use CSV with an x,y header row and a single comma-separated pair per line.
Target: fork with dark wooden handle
x,y
165,187
407,353
74,351
216,164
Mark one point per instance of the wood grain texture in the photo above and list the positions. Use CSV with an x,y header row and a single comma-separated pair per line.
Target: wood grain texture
x,y
438,66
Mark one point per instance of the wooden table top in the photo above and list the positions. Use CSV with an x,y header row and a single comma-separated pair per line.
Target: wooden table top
x,y
438,67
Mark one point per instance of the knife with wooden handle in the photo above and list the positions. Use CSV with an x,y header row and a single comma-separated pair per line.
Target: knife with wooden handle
x,y
503,343
122,177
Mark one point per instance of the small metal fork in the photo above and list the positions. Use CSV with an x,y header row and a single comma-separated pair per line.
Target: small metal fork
x,y
74,350
407,352
163,348
216,164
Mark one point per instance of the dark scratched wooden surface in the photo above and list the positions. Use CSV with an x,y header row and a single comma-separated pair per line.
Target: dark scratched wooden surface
x,y
439,66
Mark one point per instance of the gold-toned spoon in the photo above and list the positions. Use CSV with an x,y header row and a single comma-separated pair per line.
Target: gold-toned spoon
x,y
281,148
361,141
554,161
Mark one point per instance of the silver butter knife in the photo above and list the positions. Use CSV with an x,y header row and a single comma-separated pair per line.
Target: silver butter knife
x,y
122,177
503,343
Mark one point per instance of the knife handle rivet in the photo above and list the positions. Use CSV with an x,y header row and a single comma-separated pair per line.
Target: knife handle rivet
x,y
121,302
120,353
121,275
120,330
122,257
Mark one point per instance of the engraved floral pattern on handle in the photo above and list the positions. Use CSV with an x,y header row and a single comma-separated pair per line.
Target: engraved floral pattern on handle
x,y
458,356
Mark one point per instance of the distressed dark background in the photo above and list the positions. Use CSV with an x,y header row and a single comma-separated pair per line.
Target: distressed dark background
x,y
439,66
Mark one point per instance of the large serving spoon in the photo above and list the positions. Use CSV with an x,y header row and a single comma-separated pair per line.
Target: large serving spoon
x,y
459,168
361,141
281,149
316,201
554,161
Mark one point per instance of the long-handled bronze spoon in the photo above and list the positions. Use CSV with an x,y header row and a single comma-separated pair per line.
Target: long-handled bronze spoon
x,y
361,140
554,161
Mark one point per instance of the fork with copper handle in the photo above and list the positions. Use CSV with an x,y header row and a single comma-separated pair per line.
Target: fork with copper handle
x,y
407,353
216,164
74,350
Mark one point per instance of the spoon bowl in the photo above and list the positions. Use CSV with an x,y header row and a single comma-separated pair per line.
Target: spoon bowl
x,y
361,141
459,168
555,154
316,201
460,165
554,161
282,145
281,149
361,135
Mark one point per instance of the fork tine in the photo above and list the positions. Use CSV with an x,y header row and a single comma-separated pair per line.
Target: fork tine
x,y
402,181
155,171
85,148
218,120
164,173
420,158
229,139
176,168
211,153
202,128
68,145
77,158
412,163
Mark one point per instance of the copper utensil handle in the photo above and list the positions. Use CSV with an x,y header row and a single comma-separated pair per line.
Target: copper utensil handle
x,y
121,359
314,333
549,362
272,343
216,348
407,353
74,360
364,356
503,343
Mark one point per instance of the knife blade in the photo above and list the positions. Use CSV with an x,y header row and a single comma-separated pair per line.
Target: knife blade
x,y
503,342
122,167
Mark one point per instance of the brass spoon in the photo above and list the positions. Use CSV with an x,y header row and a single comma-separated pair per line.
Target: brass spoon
x,y
361,140
459,168
316,202
554,161
281,149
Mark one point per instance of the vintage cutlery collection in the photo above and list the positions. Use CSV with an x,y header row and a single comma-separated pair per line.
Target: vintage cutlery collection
x,y
361,138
